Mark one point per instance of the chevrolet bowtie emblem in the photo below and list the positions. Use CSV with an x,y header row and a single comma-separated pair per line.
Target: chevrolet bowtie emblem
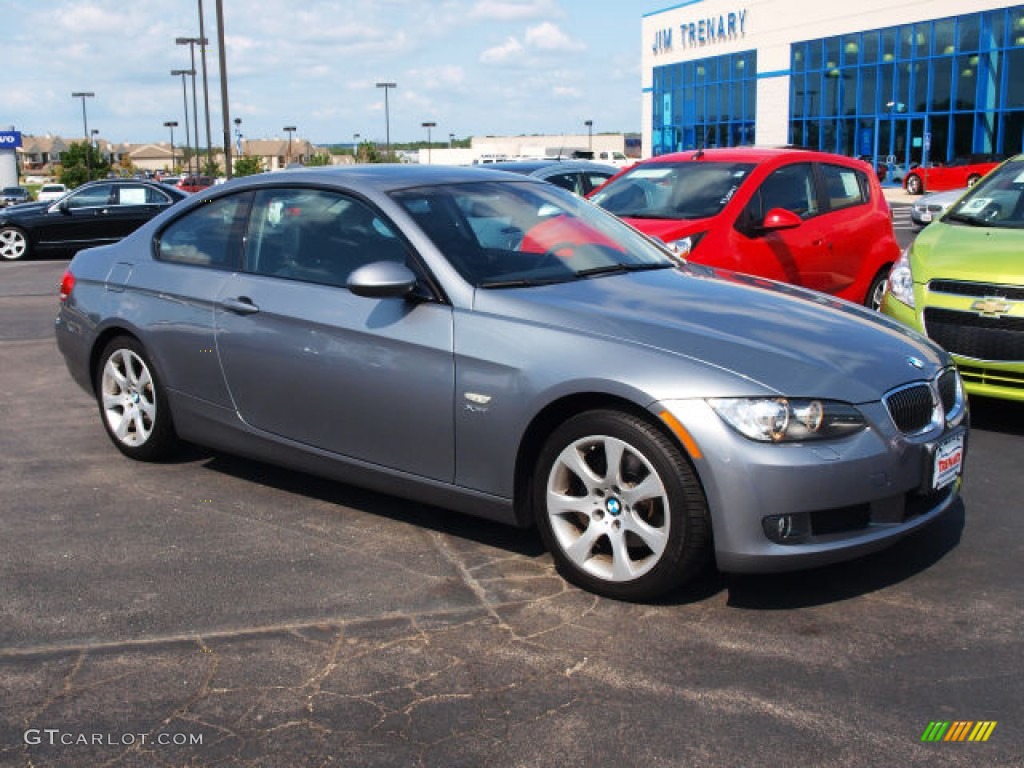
x,y
991,306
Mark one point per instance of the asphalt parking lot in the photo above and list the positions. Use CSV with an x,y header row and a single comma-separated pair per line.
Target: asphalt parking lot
x,y
218,612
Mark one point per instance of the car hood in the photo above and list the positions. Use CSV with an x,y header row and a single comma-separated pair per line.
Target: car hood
x,y
772,337
963,252
23,208
668,230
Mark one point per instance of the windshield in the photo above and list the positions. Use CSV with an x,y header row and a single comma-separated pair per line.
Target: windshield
x,y
688,190
996,201
513,234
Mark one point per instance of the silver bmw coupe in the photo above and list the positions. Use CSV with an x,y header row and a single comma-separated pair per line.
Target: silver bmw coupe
x,y
495,345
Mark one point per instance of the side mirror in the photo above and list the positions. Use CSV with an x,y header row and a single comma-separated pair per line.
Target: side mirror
x,y
780,218
63,206
382,279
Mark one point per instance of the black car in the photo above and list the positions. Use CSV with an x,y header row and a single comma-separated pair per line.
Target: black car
x,y
579,176
96,213
13,196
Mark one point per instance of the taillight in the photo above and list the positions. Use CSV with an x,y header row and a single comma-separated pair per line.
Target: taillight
x,y
67,284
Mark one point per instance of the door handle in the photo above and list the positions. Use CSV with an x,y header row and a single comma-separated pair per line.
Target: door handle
x,y
241,306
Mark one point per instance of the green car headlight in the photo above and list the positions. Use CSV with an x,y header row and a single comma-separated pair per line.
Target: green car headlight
x,y
785,420
901,280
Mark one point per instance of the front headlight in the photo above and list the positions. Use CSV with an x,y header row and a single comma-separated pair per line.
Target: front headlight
x,y
784,420
685,245
901,279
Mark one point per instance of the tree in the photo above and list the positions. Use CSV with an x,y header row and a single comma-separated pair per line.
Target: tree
x,y
319,159
75,169
247,165
211,167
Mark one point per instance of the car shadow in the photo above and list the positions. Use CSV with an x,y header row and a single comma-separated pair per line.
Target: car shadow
x,y
778,591
992,415
479,530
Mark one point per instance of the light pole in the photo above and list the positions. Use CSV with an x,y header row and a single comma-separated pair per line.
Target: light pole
x,y
355,146
224,106
428,126
184,101
191,42
206,93
451,139
387,117
238,135
83,95
172,124
590,134
290,129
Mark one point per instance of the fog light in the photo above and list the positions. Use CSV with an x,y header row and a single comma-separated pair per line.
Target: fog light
x,y
785,529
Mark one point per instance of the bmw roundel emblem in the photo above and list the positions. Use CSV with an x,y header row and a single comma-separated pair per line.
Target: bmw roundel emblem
x,y
915,362
614,506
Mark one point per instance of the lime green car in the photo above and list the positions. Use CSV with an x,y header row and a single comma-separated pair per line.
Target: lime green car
x,y
962,283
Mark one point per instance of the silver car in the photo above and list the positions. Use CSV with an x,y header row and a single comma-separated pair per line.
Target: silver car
x,y
930,207
495,345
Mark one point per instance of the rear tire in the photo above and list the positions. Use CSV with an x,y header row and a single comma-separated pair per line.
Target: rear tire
x,y
914,184
133,406
620,507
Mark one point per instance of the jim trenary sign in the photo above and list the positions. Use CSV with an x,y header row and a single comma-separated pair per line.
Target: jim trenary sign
x,y
702,32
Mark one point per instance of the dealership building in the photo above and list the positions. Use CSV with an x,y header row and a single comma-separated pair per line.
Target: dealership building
x,y
910,81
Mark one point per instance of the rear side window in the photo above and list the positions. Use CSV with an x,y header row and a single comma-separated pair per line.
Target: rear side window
x,y
140,195
845,187
569,181
208,235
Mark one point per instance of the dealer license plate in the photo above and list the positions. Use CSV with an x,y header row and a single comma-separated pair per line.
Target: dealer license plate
x,y
949,461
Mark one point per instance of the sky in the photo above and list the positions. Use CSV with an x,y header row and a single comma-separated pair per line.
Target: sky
x,y
473,67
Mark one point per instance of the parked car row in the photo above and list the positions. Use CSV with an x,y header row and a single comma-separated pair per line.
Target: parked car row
x,y
808,219
494,344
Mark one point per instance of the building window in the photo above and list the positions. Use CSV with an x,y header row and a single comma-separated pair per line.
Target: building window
x,y
924,92
704,103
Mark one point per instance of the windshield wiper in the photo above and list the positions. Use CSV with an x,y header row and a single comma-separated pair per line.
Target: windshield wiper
x,y
611,269
522,282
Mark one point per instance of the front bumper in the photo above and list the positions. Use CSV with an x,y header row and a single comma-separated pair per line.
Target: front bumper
x,y
988,378
846,497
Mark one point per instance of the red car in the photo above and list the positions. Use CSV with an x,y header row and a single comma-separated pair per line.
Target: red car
x,y
961,172
194,183
808,218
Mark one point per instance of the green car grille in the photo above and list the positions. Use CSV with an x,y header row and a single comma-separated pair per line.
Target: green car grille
x,y
967,334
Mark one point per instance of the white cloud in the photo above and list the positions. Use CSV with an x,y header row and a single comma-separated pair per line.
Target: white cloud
x,y
503,52
509,10
548,37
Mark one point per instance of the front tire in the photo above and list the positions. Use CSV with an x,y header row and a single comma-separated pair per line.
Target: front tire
x,y
914,185
13,243
132,402
973,179
876,291
620,507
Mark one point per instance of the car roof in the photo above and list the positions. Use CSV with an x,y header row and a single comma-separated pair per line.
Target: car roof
x,y
749,155
532,166
382,177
